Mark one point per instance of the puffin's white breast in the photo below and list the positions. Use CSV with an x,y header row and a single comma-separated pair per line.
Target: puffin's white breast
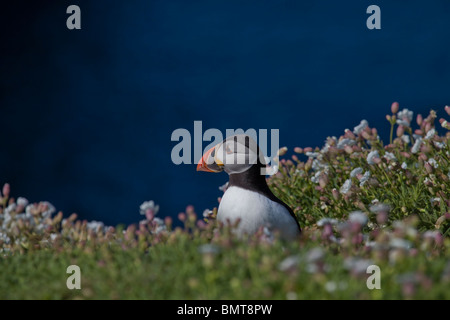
x,y
255,211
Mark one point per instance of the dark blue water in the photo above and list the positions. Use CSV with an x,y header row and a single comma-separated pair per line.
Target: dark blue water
x,y
87,115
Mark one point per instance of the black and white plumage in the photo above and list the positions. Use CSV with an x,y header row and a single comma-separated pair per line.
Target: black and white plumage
x,y
248,197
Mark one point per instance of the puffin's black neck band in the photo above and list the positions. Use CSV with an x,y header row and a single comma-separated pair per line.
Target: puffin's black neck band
x,y
253,180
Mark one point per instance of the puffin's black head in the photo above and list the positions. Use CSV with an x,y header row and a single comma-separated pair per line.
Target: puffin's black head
x,y
242,159
235,154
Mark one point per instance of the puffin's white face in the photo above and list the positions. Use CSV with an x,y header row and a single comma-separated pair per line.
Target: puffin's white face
x,y
235,154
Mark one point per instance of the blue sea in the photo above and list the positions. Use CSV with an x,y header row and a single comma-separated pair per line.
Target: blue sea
x,y
86,116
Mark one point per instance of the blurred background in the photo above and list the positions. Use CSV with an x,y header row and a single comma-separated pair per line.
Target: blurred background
x,y
86,116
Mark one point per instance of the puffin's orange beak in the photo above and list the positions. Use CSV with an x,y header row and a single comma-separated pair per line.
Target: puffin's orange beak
x,y
208,159
202,165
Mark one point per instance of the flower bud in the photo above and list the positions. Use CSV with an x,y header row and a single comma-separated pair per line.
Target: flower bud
x,y
6,190
327,231
323,180
447,109
394,107
335,193
428,167
308,165
131,229
366,135
168,222
405,154
423,157
298,150
282,151
400,131
439,239
72,217
426,148
382,217
419,119
182,216
349,135
441,220
192,216
190,209
201,224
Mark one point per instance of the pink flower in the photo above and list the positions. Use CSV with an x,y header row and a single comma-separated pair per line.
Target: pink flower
x,y
182,216
149,209
346,186
405,117
416,147
359,128
373,157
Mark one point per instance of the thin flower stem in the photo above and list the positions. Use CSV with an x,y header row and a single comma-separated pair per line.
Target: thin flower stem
x,y
392,133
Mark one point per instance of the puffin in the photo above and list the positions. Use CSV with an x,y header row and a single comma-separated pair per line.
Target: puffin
x,y
248,199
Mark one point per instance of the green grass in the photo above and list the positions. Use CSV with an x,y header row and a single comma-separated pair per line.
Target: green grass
x,y
408,238
176,270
